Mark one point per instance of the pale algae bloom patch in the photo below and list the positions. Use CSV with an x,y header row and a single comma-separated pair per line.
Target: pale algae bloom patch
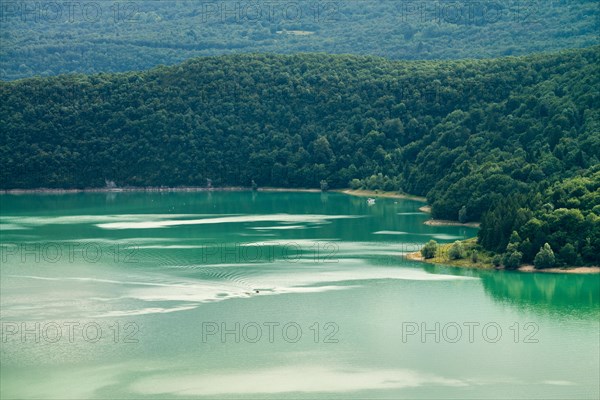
x,y
11,227
282,218
443,236
287,379
88,219
275,228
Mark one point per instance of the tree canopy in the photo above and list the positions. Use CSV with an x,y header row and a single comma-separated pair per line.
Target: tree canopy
x,y
42,38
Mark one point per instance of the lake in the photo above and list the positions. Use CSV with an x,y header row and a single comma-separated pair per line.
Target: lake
x,y
251,295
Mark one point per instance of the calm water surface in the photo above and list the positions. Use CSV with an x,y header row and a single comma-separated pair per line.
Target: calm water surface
x,y
273,295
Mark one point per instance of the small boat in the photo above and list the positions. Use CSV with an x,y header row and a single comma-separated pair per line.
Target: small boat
x,y
370,201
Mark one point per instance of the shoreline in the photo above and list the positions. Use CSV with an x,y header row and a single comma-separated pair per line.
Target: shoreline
x,y
444,222
416,256
372,193
151,189
568,270
288,190
350,192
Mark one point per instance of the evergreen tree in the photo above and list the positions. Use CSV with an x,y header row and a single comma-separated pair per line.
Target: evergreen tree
x,y
545,258
462,215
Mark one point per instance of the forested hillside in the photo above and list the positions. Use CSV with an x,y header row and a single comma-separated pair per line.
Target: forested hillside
x,y
491,139
46,37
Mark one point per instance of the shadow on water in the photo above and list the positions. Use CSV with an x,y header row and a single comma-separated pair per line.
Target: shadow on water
x,y
538,292
560,293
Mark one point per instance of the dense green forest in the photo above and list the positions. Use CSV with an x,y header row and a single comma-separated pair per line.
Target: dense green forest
x,y
514,142
566,216
48,37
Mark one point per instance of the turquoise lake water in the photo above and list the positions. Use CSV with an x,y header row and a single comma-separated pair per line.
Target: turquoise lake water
x,y
273,295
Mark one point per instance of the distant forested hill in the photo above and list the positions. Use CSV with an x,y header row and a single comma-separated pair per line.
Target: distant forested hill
x,y
46,37
511,139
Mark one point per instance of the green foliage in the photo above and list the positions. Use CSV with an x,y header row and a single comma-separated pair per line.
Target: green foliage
x,y
545,258
145,33
456,251
568,255
462,215
500,222
512,260
526,249
292,121
429,250
513,257
575,231
497,260
355,184
515,239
